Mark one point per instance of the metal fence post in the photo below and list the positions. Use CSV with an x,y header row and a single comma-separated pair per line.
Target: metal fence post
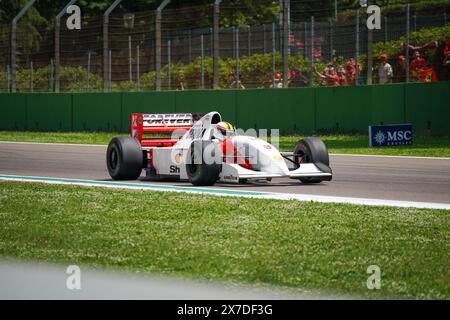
x,y
109,70
233,40
130,62
407,41
264,39
237,58
57,42
385,29
202,63
211,41
138,68
158,43
50,85
273,54
331,40
286,43
249,41
169,61
369,52
311,79
357,49
216,43
8,79
13,43
335,10
31,77
234,43
280,25
106,53
415,23
88,72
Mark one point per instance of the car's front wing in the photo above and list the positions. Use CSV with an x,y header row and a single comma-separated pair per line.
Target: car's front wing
x,y
234,173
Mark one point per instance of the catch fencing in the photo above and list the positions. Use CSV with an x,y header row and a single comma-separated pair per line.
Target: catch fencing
x,y
204,47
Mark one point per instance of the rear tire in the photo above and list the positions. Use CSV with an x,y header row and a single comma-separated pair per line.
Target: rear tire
x,y
124,158
201,174
311,150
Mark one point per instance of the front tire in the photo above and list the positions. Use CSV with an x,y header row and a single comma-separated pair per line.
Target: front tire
x,y
311,150
124,158
198,171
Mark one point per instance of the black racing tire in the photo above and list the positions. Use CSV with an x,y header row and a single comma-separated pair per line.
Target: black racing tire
x,y
311,150
124,158
201,174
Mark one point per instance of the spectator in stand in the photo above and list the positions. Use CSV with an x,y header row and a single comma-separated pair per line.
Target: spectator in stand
x,y
278,81
183,85
447,54
417,64
385,72
342,80
297,79
350,71
399,69
233,84
422,49
329,76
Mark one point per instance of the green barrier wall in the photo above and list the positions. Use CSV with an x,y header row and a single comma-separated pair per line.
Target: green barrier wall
x,y
345,108
302,110
13,111
96,112
46,112
428,107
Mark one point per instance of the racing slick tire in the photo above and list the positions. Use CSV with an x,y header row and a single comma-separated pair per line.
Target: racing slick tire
x,y
124,158
201,173
312,150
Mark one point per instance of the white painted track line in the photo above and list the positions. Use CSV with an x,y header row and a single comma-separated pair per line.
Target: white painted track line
x,y
230,192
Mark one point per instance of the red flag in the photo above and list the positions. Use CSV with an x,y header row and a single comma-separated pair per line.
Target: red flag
x,y
428,75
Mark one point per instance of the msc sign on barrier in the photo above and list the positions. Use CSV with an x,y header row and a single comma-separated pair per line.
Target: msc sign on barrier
x,y
390,135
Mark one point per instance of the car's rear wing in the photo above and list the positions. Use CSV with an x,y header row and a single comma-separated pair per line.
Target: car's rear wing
x,y
160,123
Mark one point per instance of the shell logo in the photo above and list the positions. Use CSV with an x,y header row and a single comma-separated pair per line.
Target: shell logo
x,y
178,158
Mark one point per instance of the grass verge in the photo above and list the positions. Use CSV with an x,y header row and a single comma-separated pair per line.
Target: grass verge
x,y
324,247
424,146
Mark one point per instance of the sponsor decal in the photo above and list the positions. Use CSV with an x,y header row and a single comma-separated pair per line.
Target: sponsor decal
x,y
178,158
174,169
268,146
230,177
390,135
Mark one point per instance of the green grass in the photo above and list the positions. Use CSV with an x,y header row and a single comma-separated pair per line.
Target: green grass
x,y
305,246
426,146
423,146
59,137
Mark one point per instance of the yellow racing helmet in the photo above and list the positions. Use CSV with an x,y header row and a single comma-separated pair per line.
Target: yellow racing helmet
x,y
225,128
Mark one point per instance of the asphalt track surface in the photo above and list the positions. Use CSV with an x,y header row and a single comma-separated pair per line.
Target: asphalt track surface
x,y
374,177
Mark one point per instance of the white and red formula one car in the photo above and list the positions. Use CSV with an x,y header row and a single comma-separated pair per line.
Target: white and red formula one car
x,y
204,154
